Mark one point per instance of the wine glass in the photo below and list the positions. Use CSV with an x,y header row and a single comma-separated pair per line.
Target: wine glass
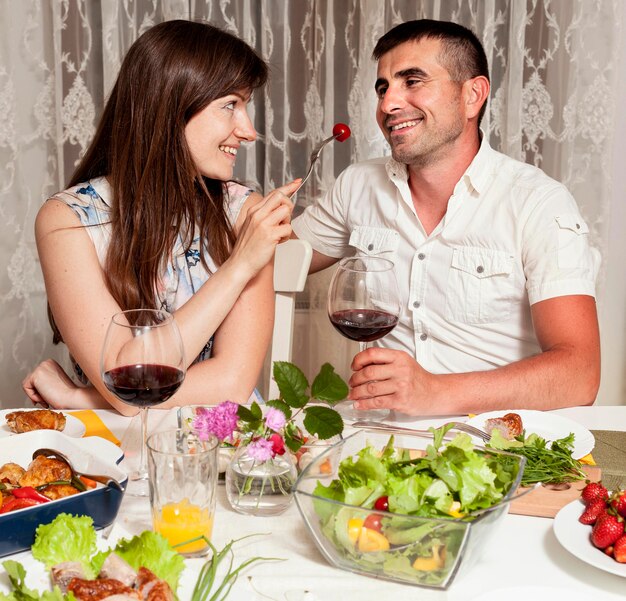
x,y
363,305
143,365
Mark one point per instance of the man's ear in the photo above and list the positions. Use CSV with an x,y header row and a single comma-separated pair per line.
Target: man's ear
x,y
476,94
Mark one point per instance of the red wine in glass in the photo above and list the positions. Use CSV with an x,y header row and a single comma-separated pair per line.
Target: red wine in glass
x,y
143,365
363,325
363,305
143,385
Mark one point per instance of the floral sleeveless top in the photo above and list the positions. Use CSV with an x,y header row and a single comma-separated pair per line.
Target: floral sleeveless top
x,y
184,274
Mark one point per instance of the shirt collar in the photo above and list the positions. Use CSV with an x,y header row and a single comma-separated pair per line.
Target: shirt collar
x,y
476,175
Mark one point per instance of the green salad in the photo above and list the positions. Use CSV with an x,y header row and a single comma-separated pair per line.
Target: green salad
x,y
435,496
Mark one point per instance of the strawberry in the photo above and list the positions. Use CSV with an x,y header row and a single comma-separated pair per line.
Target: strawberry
x,y
618,502
593,511
606,531
619,549
594,490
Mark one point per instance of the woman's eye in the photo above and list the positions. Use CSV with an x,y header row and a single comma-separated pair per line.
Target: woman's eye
x,y
230,106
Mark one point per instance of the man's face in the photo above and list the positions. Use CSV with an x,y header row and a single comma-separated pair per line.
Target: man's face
x,y
420,109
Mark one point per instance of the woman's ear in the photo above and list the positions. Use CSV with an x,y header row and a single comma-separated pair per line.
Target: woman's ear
x,y
476,94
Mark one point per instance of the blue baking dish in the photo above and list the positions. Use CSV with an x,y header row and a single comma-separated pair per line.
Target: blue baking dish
x,y
90,455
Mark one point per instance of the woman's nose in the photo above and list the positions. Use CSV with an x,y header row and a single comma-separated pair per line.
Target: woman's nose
x,y
245,130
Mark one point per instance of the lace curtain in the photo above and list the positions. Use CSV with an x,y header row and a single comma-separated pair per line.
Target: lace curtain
x,y
556,67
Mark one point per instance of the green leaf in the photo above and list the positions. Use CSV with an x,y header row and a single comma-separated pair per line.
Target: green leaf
x,y
292,384
293,443
256,410
329,386
322,422
281,406
244,414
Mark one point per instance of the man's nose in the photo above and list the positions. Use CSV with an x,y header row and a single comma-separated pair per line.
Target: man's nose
x,y
392,100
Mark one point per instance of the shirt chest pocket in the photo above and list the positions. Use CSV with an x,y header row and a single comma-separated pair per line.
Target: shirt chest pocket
x,y
481,286
376,241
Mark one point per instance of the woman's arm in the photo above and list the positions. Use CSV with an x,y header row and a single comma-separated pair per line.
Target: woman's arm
x,y
83,306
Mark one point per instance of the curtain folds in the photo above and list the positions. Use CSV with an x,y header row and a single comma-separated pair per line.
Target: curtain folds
x,y
557,67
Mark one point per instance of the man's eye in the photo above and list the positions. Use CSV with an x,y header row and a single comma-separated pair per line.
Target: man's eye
x,y
412,82
380,92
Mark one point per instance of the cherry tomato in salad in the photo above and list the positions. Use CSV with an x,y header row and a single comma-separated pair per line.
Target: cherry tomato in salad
x,y
382,503
341,132
374,522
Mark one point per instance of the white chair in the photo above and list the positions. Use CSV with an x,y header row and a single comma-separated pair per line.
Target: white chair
x,y
291,266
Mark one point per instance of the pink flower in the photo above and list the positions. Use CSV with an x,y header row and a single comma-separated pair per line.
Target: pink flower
x,y
274,419
220,420
261,449
278,444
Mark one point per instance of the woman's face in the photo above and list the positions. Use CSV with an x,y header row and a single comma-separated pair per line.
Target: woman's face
x,y
216,132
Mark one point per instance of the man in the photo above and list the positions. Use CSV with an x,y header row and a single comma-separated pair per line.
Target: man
x,y
491,255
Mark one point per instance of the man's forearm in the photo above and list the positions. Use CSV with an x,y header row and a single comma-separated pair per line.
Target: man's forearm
x,y
559,377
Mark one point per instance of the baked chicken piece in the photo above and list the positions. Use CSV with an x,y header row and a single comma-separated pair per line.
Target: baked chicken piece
x,y
39,419
58,491
43,470
510,425
11,473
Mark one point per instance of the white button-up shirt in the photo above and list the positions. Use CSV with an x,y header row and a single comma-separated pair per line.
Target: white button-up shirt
x,y
511,237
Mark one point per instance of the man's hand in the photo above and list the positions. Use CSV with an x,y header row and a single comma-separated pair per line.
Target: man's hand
x,y
390,379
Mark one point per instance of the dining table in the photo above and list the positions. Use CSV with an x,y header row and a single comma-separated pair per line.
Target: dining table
x,y
523,559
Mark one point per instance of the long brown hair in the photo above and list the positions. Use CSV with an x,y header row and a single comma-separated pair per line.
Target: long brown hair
x,y
171,72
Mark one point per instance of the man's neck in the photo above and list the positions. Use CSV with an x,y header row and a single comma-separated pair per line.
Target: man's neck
x,y
432,185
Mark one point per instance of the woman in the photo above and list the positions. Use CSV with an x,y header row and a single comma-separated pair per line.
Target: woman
x,y
156,181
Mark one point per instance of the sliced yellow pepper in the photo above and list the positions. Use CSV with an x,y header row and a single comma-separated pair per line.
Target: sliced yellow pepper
x,y
370,541
354,529
436,562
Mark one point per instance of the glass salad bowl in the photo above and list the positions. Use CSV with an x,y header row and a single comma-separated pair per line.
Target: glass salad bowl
x,y
410,509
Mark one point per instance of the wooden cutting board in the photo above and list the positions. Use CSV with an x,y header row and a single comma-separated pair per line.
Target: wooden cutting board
x,y
546,501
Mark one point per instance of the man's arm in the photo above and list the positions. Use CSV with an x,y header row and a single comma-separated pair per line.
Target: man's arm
x,y
565,373
319,261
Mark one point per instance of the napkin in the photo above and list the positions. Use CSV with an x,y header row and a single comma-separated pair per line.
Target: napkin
x,y
94,425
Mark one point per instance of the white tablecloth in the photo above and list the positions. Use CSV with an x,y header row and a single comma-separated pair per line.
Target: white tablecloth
x,y
524,560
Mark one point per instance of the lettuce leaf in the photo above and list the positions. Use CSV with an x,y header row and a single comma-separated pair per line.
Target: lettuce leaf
x,y
151,550
17,576
66,538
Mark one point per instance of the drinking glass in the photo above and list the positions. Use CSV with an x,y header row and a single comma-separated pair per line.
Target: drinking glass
x,y
363,305
143,365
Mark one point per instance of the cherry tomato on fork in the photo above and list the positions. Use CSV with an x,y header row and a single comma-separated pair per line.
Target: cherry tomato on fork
x,y
341,132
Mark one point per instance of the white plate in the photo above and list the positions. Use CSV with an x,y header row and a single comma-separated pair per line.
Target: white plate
x,y
524,593
73,426
548,426
574,537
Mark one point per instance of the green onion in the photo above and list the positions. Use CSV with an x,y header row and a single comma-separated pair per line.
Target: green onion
x,y
206,579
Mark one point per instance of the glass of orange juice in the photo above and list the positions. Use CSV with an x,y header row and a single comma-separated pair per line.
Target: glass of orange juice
x,y
183,481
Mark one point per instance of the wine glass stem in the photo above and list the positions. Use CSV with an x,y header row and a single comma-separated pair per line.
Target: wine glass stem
x,y
142,470
364,345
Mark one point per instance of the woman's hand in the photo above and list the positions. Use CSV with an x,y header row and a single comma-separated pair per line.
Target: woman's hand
x,y
266,224
48,385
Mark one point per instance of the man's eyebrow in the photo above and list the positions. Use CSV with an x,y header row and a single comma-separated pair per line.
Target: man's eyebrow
x,y
410,72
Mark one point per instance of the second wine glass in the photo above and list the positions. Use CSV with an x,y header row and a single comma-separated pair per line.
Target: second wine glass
x,y
363,305
143,365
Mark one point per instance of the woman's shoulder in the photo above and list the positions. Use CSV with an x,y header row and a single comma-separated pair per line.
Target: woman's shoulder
x,y
236,196
89,200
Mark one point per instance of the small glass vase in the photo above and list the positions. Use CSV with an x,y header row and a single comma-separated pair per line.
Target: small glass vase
x,y
255,487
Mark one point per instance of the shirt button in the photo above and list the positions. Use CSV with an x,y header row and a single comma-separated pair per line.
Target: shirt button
x,y
421,256
423,337
416,304
480,269
370,247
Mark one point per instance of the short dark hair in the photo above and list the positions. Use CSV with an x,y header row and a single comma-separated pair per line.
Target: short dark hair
x,y
462,53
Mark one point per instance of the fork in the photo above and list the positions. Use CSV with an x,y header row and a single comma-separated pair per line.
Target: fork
x,y
372,425
313,159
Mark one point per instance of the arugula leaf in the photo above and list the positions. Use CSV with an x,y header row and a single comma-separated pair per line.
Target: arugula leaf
x,y
17,576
